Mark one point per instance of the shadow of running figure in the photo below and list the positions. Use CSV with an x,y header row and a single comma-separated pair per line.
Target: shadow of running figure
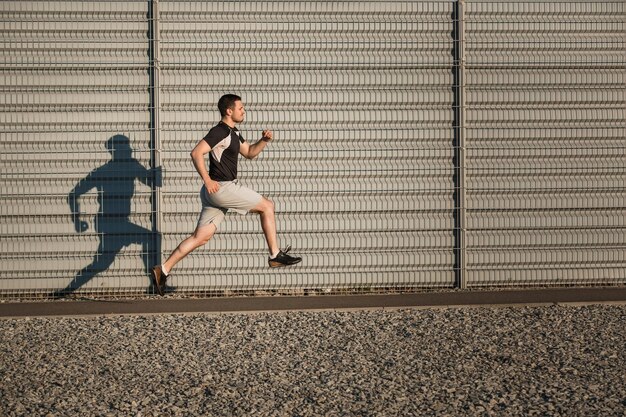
x,y
115,183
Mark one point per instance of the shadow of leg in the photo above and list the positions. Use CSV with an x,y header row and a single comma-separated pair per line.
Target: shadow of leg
x,y
101,262
149,246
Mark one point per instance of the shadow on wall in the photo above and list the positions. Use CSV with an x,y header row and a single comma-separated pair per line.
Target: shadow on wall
x,y
457,144
115,184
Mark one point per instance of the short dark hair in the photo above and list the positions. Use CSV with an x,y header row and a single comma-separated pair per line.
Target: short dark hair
x,y
227,101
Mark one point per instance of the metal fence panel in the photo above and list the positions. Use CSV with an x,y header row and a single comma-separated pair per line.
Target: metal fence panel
x,y
358,95
412,149
74,136
545,140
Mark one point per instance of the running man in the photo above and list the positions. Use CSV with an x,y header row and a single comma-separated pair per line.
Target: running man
x,y
222,191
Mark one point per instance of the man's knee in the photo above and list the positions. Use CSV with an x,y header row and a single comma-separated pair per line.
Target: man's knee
x,y
202,240
264,206
269,205
203,234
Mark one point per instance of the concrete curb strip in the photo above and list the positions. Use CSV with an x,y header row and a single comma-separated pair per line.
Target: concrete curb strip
x,y
327,302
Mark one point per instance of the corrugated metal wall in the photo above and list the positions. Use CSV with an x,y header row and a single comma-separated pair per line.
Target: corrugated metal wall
x,y
546,142
73,76
363,102
358,95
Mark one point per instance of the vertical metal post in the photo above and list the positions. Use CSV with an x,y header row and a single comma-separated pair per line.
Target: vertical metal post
x,y
459,144
155,127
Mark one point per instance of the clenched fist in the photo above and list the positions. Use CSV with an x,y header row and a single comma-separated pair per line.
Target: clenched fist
x,y
268,136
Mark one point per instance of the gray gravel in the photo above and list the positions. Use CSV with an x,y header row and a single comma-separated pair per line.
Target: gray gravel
x,y
559,360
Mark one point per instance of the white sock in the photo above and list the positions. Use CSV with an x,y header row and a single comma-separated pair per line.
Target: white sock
x,y
273,255
165,271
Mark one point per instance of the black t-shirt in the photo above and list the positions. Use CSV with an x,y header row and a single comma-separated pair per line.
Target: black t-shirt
x,y
224,142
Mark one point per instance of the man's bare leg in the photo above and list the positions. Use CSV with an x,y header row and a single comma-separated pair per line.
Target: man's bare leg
x,y
265,208
200,236
268,222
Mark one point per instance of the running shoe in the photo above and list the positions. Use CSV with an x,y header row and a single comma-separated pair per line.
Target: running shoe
x,y
282,259
159,278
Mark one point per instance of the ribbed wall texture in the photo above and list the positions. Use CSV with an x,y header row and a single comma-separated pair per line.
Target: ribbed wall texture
x,y
546,142
74,79
367,119
359,97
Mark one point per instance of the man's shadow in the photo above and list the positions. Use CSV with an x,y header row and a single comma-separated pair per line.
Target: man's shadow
x,y
115,184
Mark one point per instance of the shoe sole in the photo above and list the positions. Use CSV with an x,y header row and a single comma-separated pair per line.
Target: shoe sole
x,y
274,264
157,284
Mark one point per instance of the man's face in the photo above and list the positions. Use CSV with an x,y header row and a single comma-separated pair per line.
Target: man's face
x,y
238,112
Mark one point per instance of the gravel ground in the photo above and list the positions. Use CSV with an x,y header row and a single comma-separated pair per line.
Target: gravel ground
x,y
521,361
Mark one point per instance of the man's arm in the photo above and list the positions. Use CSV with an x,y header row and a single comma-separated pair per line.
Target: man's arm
x,y
197,156
152,177
251,151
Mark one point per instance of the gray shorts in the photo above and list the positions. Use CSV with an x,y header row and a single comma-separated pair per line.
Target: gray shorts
x,y
231,196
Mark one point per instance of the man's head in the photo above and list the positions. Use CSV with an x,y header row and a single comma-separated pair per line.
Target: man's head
x,y
230,105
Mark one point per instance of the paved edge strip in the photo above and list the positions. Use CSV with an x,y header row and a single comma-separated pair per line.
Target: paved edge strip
x,y
323,302
330,302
